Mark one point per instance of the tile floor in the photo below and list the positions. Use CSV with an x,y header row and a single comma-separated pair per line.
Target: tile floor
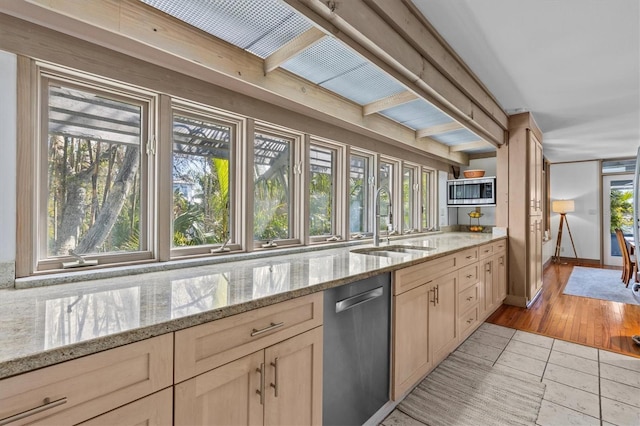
x,y
584,386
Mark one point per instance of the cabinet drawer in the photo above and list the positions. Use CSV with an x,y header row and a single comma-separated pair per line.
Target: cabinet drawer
x,y
485,250
207,346
152,410
469,297
413,276
467,257
468,276
499,246
467,322
86,387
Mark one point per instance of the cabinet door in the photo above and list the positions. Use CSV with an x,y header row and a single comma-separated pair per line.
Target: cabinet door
x,y
153,410
410,338
535,175
535,256
293,387
487,302
499,278
442,316
227,395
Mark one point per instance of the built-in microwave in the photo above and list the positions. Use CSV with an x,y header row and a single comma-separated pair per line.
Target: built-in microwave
x,y
472,192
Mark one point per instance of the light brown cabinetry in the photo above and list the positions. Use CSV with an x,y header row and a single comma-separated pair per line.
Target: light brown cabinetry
x,y
526,207
152,410
425,320
259,367
442,317
75,391
411,358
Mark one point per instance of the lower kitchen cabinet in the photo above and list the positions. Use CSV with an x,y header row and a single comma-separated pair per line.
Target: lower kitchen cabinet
x,y
443,335
424,319
410,339
152,410
74,391
281,384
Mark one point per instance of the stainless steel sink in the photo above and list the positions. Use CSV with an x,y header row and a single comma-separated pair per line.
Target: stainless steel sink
x,y
394,251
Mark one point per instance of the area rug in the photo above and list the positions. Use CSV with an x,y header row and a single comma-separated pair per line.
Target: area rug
x,y
463,392
598,283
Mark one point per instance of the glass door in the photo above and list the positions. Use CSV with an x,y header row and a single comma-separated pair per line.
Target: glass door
x,y
617,208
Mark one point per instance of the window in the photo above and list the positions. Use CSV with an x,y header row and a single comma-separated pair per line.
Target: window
x,y
322,190
274,185
204,158
93,198
428,205
361,187
125,175
386,180
409,198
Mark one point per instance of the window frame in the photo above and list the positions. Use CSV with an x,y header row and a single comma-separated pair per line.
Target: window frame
x,y
237,126
432,196
415,201
46,73
297,182
370,182
395,188
337,210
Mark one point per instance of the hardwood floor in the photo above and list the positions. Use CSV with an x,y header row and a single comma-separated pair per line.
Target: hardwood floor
x,y
592,322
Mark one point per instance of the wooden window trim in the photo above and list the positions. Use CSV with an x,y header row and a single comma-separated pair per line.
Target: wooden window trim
x,y
338,208
31,231
236,125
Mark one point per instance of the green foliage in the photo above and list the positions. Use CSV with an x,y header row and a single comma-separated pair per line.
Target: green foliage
x,y
320,204
621,210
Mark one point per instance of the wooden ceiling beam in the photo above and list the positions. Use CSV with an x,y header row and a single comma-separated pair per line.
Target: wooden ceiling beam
x,y
292,48
469,146
135,29
440,128
388,102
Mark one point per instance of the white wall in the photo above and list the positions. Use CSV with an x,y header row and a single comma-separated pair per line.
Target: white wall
x,y
7,167
580,182
489,213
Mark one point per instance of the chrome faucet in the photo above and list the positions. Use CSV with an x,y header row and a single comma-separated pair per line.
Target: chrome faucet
x,y
376,203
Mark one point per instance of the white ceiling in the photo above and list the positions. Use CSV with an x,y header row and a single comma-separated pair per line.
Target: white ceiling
x,y
575,64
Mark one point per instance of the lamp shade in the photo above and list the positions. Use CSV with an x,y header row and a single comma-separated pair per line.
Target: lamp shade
x,y
563,206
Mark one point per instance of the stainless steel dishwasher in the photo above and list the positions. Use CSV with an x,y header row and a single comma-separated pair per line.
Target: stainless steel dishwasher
x,y
356,350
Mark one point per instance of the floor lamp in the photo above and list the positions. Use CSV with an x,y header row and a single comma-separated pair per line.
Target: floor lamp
x,y
563,207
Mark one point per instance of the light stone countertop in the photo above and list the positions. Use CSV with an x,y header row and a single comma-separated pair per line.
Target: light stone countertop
x,y
46,325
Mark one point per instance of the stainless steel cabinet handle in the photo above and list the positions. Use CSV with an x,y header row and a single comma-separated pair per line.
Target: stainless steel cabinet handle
x,y
261,390
434,296
437,294
47,404
358,299
274,385
273,326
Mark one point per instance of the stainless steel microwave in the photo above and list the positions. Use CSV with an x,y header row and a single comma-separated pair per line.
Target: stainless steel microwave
x,y
472,192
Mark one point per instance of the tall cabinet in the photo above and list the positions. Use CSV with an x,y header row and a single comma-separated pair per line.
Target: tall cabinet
x,y
526,207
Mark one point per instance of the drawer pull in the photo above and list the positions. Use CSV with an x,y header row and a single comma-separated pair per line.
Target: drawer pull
x,y
470,275
470,298
257,332
470,256
469,321
47,404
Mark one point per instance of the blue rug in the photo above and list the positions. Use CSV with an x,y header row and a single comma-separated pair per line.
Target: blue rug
x,y
599,283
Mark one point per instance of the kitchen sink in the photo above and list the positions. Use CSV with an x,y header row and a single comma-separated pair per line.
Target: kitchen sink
x,y
394,251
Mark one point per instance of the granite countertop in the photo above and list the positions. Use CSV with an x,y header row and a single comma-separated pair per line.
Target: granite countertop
x,y
47,325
